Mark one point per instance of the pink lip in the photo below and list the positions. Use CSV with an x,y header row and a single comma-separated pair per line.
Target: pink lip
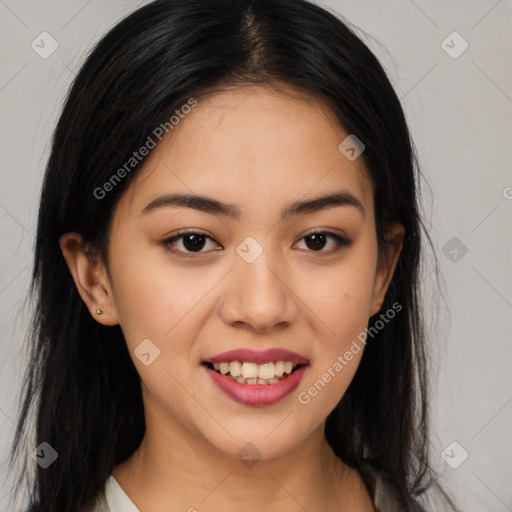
x,y
258,357
256,394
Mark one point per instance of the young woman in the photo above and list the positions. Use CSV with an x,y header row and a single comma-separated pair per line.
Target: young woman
x,y
226,272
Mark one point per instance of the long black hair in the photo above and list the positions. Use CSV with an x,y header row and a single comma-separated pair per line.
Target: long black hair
x,y
80,382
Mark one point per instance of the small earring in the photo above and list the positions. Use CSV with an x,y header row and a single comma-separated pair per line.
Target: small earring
x,y
99,311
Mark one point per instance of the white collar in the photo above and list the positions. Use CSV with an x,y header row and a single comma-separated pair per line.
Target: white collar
x,y
117,499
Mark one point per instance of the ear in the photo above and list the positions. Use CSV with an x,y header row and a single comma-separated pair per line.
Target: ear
x,y
90,276
387,261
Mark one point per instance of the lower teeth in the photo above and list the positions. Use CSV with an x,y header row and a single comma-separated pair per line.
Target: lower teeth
x,y
241,380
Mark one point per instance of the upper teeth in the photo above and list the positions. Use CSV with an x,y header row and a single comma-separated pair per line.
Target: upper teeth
x,y
253,370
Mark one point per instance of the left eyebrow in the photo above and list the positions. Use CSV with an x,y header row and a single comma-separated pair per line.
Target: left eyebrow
x,y
215,207
342,198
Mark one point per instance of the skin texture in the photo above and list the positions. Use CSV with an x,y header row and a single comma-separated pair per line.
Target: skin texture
x,y
259,148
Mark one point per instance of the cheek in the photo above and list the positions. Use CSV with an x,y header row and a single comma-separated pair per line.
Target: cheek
x,y
158,300
341,297
341,301
338,351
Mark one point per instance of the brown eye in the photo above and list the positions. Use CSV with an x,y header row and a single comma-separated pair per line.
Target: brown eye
x,y
318,240
191,242
194,242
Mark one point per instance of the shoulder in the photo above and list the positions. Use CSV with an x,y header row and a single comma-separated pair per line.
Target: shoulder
x,y
383,491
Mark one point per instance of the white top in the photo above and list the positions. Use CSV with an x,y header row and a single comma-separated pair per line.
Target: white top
x,y
117,499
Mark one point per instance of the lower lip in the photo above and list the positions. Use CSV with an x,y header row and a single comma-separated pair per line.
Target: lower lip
x,y
257,394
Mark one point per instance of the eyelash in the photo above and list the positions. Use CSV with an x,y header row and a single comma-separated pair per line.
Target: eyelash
x,y
341,242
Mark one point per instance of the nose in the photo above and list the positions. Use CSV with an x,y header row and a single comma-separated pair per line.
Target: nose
x,y
258,297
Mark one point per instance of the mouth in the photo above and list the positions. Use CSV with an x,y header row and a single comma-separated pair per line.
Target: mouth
x,y
256,378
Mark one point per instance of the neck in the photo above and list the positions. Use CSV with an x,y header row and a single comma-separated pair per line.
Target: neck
x,y
173,469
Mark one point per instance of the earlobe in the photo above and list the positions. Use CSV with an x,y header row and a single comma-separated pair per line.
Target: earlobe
x,y
90,277
386,265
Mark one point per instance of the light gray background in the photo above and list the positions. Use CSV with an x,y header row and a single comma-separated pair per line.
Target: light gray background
x,y
460,116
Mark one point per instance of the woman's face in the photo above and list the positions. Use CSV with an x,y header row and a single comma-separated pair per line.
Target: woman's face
x,y
252,278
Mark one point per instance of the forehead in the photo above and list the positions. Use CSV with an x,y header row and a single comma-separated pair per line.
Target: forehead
x,y
253,145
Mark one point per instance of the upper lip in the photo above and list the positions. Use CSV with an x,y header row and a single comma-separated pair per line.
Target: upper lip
x,y
258,356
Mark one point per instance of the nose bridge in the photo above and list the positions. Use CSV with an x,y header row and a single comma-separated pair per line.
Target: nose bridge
x,y
257,294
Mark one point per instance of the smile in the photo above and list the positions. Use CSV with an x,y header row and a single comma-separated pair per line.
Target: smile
x,y
256,378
